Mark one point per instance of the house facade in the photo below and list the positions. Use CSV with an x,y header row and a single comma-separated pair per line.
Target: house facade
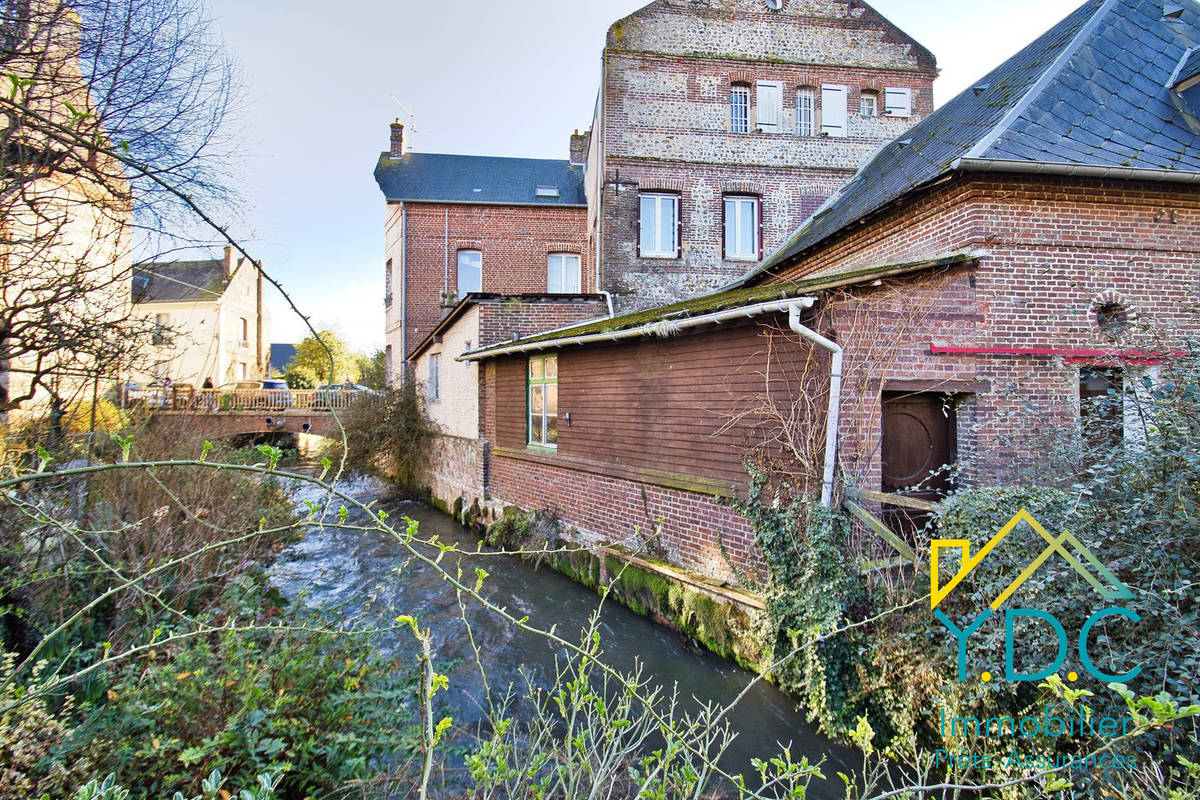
x,y
461,224
209,321
721,126
968,292
450,388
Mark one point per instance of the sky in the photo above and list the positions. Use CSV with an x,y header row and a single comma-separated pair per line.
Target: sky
x,y
505,78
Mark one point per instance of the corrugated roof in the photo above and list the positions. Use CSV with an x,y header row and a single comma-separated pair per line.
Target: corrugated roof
x,y
436,177
735,298
1089,92
178,281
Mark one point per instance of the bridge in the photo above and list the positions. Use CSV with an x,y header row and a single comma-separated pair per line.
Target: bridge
x,y
219,413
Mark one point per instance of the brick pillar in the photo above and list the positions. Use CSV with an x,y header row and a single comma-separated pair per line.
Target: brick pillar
x,y
579,146
397,145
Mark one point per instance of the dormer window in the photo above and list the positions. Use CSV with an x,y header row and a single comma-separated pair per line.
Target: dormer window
x,y
1184,88
547,191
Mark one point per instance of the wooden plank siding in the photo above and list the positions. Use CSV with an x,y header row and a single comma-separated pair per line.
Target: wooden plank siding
x,y
666,406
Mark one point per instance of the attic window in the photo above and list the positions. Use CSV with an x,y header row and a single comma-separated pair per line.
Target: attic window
x,y
1184,86
1113,319
547,191
1172,11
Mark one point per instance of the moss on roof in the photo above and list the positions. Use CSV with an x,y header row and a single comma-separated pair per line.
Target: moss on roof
x,y
736,298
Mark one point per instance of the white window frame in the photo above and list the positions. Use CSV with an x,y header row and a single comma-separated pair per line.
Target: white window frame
x,y
458,271
537,426
733,225
834,110
806,112
658,198
868,105
433,385
739,124
897,102
560,267
768,106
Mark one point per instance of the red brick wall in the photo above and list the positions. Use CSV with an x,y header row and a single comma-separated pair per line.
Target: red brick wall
x,y
500,320
514,241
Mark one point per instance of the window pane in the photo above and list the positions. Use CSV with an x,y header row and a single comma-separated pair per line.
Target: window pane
x,y
537,405
552,367
666,225
535,367
746,228
554,270
551,430
551,398
649,224
570,278
470,271
730,227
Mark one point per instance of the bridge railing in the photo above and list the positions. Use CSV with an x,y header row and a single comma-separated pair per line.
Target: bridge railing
x,y
225,400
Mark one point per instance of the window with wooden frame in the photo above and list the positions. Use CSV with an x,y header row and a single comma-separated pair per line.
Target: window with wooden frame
x,y
739,108
658,226
562,273
542,399
806,104
743,227
868,104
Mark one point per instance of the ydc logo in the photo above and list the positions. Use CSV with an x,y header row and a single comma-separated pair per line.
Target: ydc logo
x,y
1066,545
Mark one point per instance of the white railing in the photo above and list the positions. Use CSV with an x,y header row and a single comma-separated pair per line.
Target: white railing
x,y
224,400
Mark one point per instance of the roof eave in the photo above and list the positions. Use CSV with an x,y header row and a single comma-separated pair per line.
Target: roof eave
x,y
1077,170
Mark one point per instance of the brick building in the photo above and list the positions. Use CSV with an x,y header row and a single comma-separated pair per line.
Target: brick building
x,y
721,126
1031,243
462,224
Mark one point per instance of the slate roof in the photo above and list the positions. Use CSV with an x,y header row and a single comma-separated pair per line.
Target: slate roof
x,y
178,281
1090,92
436,177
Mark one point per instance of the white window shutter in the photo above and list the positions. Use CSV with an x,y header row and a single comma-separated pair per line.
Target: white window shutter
x,y
769,111
833,110
897,102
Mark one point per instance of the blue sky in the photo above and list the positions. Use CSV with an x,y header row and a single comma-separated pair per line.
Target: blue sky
x,y
510,78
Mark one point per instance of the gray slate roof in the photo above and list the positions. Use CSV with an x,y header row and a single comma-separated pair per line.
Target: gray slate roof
x,y
1091,91
178,281
436,177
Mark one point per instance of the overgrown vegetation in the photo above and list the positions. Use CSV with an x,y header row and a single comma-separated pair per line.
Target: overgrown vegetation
x,y
390,434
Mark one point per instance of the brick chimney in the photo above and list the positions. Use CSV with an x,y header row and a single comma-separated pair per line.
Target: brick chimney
x,y
397,148
227,265
579,145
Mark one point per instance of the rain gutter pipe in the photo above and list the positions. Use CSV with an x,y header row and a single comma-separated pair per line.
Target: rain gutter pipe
x,y
835,398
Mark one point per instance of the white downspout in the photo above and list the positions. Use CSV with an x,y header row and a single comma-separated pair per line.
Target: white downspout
x,y
835,397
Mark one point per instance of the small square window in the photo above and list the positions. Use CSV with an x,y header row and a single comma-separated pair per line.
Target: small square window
x,y
868,105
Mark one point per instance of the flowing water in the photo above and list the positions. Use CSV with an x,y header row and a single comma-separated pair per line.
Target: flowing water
x,y
370,576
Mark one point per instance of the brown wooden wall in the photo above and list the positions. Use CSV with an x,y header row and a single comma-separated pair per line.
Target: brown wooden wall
x,y
682,406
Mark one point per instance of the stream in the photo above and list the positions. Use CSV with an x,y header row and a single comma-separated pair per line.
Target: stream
x,y
372,578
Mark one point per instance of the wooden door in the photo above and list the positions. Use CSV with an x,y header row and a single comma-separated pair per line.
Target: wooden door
x,y
919,444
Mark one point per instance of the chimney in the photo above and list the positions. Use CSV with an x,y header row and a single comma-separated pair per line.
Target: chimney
x,y
579,145
397,149
227,266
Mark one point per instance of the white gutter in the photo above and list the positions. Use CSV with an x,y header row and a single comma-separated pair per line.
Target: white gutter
x,y
835,398
608,299
1076,170
660,328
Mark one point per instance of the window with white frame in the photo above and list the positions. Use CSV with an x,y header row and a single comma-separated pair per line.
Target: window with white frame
x,y
769,107
543,401
470,272
833,110
742,227
806,103
245,324
897,102
658,223
562,273
739,109
433,384
162,329
868,105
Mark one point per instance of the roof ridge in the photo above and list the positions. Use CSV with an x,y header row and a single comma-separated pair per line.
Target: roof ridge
x,y
1048,75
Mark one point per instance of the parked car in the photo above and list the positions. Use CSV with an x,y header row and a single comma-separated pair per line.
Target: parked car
x,y
267,394
327,392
